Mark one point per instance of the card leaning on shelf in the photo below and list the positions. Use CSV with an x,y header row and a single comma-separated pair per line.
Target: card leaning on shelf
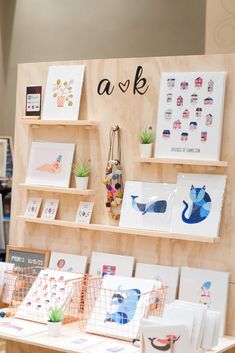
x,y
50,164
3,157
68,262
198,204
50,209
111,264
63,92
84,212
206,287
190,115
147,205
167,275
7,282
33,207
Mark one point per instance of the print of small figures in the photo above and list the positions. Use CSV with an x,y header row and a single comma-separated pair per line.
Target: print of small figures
x,y
200,208
198,82
184,136
171,82
194,98
62,92
180,101
109,270
184,85
205,294
54,167
210,86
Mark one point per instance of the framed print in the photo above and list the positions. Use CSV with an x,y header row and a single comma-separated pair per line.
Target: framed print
x,y
167,275
111,264
50,209
68,262
147,205
33,207
3,157
23,257
206,287
190,115
50,164
198,204
63,92
33,101
84,212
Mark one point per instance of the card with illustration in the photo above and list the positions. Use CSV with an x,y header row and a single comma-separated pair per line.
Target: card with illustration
x,y
190,115
207,287
7,282
68,262
147,205
33,207
167,275
111,264
80,342
198,204
3,157
50,164
51,288
20,328
50,209
84,212
120,305
63,92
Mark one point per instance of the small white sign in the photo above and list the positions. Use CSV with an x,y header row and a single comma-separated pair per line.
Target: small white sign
x,y
33,207
50,209
84,212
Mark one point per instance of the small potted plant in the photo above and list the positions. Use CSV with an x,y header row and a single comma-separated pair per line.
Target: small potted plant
x,y
146,143
81,172
55,318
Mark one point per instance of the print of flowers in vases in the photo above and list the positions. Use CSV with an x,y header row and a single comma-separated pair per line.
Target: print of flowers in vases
x,y
62,91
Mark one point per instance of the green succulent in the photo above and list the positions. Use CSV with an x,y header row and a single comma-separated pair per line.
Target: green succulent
x,y
81,169
56,314
146,136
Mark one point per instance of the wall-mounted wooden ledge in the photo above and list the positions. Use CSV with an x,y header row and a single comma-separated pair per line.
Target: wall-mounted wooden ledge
x,y
115,229
59,190
182,161
39,122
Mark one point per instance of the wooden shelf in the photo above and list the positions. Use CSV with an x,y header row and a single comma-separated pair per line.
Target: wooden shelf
x,y
58,190
116,229
182,161
38,122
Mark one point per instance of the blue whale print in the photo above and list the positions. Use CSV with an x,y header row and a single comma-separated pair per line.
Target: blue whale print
x,y
200,208
155,207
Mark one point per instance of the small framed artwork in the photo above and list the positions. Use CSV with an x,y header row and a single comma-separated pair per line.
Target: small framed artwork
x,y
68,262
198,204
111,264
24,257
147,205
190,115
63,92
206,287
33,207
167,275
33,101
84,212
50,209
50,164
3,157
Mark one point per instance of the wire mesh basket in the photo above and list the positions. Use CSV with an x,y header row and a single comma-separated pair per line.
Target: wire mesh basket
x,y
30,293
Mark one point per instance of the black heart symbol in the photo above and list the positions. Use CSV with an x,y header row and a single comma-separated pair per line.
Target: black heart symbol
x,y
124,86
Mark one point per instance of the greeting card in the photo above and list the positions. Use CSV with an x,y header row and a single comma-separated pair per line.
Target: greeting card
x,y
68,262
84,212
50,209
33,207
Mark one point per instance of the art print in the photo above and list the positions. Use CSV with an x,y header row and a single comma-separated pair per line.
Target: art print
x,y
120,305
198,204
50,209
111,264
68,262
190,115
207,287
167,275
84,212
33,207
3,157
20,328
63,92
147,205
50,164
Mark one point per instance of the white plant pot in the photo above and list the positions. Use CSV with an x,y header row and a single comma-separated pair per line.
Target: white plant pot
x,y
82,182
54,328
146,150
